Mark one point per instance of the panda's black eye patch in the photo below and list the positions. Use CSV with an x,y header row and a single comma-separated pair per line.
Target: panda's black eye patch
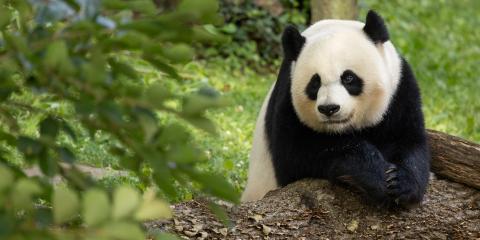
x,y
352,82
312,88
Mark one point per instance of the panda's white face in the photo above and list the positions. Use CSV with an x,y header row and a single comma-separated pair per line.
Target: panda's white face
x,y
342,80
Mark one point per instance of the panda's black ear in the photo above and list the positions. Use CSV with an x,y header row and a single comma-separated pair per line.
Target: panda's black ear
x,y
292,43
375,28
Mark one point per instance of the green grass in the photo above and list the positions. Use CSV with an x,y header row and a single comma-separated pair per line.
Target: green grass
x,y
440,41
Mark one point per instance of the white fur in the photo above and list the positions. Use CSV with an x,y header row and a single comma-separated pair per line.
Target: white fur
x,y
261,177
332,46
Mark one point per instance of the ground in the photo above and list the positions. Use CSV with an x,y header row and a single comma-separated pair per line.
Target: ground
x,y
314,209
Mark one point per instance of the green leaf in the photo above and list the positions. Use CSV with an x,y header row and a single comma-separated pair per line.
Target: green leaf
x,y
7,178
179,53
29,147
173,134
204,10
208,34
152,210
131,40
125,201
162,66
143,6
57,58
123,231
148,121
111,111
49,128
156,94
122,68
16,42
65,205
8,138
202,123
220,212
23,192
73,4
184,154
130,163
214,184
115,4
66,154
43,218
69,130
196,104
47,164
164,179
96,207
5,16
94,71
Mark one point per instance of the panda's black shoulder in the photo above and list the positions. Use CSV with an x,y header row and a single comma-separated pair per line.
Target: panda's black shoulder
x,y
404,117
280,112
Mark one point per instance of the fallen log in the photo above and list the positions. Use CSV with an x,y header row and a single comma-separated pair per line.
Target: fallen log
x,y
315,209
455,158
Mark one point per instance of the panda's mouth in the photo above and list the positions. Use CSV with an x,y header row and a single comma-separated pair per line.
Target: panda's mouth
x,y
339,121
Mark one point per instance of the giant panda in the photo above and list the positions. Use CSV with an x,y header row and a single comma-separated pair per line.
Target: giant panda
x,y
345,107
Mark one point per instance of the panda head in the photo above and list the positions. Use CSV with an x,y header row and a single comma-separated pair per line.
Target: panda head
x,y
343,73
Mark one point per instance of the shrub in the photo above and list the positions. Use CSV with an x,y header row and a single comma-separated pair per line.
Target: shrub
x,y
80,54
255,31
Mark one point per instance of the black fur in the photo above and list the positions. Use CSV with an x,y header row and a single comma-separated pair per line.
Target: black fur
x,y
312,87
292,43
388,162
375,28
352,82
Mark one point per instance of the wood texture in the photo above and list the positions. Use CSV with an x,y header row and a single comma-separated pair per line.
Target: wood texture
x,y
338,9
455,158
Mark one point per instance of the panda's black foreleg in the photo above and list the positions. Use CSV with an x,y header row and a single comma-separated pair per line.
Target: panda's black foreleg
x,y
364,168
407,180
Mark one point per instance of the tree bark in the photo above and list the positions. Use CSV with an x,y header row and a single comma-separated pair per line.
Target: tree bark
x,y
316,209
455,158
338,9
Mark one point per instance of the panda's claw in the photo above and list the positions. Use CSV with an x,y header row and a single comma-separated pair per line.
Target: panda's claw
x,y
391,169
391,178
392,185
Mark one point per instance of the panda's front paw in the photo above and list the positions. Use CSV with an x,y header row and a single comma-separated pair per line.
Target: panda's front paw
x,y
402,189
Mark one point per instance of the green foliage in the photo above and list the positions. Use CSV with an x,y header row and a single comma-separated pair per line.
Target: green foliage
x,y
443,49
69,73
255,32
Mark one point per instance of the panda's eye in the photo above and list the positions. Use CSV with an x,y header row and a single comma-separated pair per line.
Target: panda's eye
x,y
348,78
312,88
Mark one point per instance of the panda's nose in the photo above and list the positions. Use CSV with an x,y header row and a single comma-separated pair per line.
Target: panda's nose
x,y
329,109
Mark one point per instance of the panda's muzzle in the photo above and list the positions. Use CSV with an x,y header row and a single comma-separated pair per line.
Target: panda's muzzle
x,y
339,121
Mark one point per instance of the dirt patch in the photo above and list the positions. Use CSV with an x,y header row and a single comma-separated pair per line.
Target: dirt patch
x,y
314,209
